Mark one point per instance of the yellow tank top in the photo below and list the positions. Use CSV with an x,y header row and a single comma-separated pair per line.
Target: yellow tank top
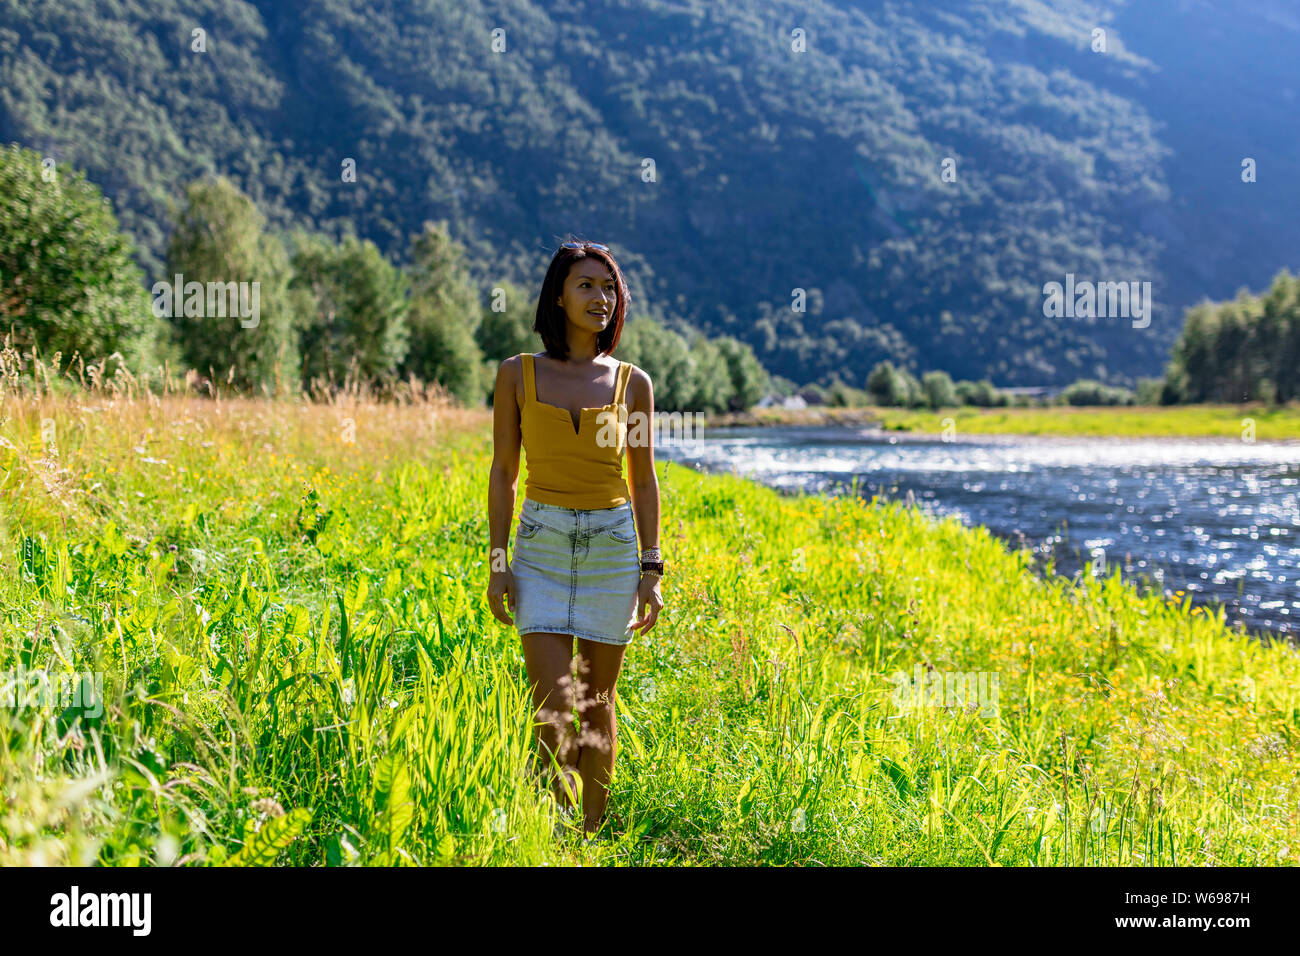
x,y
582,469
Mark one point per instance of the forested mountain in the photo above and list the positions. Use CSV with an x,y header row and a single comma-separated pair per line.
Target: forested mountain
x,y
774,169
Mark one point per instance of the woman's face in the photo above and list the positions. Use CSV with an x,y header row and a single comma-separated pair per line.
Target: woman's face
x,y
590,295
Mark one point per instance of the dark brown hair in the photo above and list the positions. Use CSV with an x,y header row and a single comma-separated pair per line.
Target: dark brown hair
x,y
550,321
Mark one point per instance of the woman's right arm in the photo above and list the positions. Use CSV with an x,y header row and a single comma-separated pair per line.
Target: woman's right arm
x,y
503,483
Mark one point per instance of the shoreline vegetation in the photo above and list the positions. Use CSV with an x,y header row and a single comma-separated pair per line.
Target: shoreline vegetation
x,y
1271,423
287,604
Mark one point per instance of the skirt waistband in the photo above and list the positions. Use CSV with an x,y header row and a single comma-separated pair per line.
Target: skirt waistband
x,y
529,503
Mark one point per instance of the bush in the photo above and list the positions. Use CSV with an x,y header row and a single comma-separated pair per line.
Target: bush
x,y
67,280
887,386
1149,391
1089,392
981,394
938,389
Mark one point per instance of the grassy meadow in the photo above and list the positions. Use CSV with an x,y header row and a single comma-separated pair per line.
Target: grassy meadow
x,y
287,605
1270,423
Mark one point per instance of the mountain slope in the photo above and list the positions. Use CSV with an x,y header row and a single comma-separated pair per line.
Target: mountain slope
x,y
775,170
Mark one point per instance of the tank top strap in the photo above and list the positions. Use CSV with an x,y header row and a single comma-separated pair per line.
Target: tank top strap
x,y
624,373
530,380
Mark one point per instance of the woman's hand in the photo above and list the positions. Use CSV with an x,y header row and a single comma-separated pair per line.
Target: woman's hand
x,y
501,584
648,596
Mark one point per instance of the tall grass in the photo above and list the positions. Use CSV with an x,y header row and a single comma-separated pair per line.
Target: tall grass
x,y
286,601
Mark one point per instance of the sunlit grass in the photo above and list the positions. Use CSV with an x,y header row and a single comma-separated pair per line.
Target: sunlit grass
x,y
1234,422
300,666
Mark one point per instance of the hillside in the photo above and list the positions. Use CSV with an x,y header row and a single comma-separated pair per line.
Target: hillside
x,y
774,170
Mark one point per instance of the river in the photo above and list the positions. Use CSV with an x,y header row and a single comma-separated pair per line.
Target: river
x,y
1216,518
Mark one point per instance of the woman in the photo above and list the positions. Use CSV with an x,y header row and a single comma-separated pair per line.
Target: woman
x,y
575,571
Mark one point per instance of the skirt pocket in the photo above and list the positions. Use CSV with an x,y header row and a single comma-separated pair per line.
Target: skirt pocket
x,y
542,568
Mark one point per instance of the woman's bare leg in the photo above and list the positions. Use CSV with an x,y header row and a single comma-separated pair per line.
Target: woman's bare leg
x,y
599,725
548,658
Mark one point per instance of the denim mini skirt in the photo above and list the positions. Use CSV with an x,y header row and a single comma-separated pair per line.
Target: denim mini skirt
x,y
576,571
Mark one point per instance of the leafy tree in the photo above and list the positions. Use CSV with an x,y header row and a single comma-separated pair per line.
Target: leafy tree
x,y
841,394
444,316
1091,392
1243,350
509,330
886,385
354,318
749,382
67,280
913,394
713,389
219,238
938,389
1148,391
665,356
981,394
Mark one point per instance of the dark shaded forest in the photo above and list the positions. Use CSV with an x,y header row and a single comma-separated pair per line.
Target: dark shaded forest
x,y
792,198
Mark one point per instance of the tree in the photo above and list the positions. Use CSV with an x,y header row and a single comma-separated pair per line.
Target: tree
x,y
938,389
1244,350
749,381
356,306
67,280
1091,392
663,355
713,389
444,316
886,386
981,394
508,330
219,243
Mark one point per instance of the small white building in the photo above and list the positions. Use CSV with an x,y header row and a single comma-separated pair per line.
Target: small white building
x,y
789,402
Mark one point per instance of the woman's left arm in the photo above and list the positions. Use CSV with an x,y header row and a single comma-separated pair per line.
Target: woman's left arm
x,y
643,485
642,482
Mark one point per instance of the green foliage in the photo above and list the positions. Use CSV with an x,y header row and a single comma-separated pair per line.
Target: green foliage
x,y
748,380
508,330
666,357
1090,392
938,389
67,280
1148,391
886,385
1239,351
981,394
263,846
444,318
219,238
359,677
712,391
886,247
353,314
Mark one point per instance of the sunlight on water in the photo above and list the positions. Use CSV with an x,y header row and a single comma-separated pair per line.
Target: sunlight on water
x,y
1217,518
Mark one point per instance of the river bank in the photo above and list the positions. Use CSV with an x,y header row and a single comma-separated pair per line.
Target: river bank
x,y
832,681
1240,422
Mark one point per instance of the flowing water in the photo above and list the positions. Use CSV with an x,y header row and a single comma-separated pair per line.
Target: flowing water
x,y
1217,518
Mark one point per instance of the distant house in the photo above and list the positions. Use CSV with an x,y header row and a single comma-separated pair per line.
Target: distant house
x,y
790,401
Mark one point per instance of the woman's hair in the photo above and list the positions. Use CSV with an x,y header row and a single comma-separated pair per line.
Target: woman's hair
x,y
550,321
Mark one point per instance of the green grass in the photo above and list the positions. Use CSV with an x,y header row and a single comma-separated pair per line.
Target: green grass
x,y
1237,422
300,666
